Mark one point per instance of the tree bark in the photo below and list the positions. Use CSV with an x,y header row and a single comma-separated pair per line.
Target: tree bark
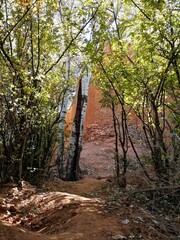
x,y
77,131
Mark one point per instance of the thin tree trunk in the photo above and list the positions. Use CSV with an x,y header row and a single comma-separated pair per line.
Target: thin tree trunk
x,y
117,163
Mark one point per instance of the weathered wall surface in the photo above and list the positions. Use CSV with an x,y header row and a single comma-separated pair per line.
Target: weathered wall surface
x,y
95,114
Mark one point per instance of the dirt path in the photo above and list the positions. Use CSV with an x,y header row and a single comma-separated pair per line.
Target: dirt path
x,y
84,210
79,211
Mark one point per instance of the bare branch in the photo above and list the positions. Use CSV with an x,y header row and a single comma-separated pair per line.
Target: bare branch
x,y
72,41
17,23
136,5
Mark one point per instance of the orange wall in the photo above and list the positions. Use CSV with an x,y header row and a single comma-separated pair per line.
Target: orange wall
x,y
94,113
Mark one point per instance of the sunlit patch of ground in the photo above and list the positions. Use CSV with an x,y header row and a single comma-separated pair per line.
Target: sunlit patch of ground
x,y
85,210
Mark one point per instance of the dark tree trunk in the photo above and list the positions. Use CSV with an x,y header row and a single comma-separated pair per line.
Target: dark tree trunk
x,y
74,163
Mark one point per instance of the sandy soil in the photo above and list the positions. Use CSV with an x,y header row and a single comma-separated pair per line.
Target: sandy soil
x,y
85,210
77,211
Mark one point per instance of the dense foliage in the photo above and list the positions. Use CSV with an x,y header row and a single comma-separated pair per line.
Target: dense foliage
x,y
133,47
37,38
138,59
